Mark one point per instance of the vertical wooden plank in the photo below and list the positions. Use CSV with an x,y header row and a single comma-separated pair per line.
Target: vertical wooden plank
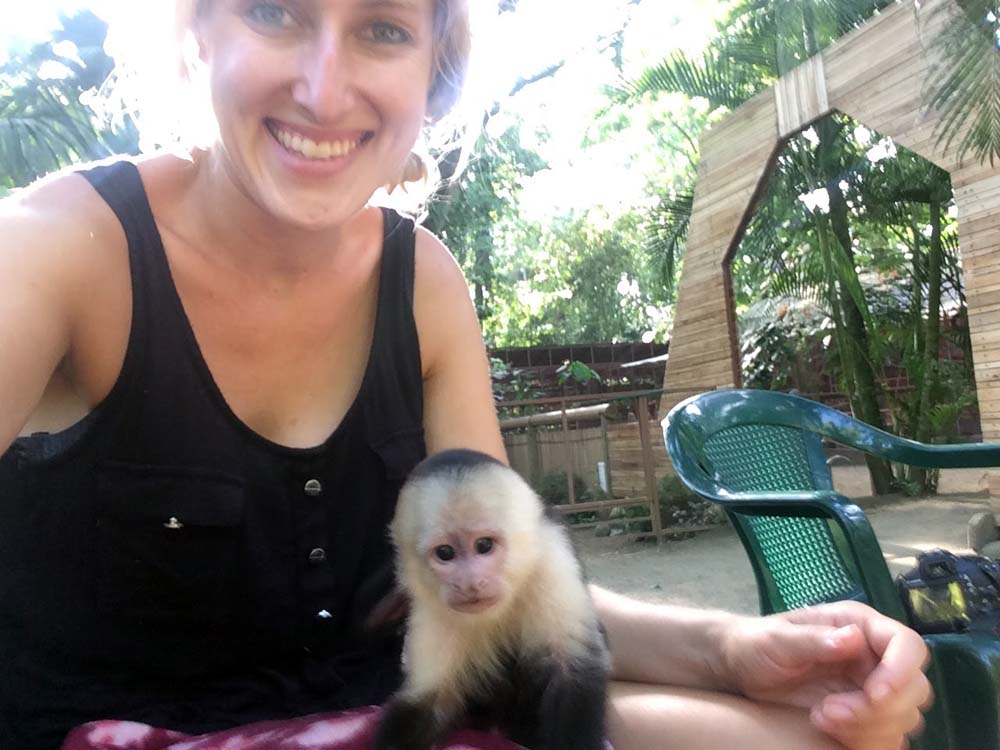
x,y
648,465
534,459
607,453
801,96
567,454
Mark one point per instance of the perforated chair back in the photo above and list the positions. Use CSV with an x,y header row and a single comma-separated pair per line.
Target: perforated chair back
x,y
799,560
799,551
759,454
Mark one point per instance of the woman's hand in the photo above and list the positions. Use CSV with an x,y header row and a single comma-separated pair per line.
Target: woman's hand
x,y
858,673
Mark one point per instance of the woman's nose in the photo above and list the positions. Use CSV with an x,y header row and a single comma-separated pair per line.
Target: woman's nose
x,y
325,83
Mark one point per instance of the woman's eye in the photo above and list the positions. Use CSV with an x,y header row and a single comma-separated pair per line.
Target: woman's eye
x,y
387,33
269,14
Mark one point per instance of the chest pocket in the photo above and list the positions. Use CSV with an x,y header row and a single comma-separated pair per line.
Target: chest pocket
x,y
170,546
400,453
374,578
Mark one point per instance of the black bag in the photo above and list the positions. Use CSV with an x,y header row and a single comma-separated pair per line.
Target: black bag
x,y
948,593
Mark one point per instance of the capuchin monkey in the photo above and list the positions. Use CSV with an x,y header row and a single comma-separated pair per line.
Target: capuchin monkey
x,y
502,633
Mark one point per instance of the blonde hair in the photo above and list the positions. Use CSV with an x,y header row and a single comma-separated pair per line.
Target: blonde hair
x,y
452,43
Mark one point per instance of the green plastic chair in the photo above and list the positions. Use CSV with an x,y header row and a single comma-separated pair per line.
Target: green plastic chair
x,y
759,454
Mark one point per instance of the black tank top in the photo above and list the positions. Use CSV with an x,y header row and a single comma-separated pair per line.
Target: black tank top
x,y
162,562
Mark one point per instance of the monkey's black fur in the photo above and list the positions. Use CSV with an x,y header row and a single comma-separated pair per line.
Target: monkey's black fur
x,y
455,461
532,700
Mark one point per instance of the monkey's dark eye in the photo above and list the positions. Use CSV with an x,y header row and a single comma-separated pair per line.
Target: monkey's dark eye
x,y
484,545
444,552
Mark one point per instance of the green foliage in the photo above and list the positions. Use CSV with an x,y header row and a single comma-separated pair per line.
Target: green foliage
x,y
511,383
577,373
44,122
966,86
780,339
466,214
715,78
666,233
553,489
758,41
576,280
673,493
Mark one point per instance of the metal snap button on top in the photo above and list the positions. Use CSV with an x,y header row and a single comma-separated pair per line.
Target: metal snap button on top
x,y
313,487
317,556
173,523
324,614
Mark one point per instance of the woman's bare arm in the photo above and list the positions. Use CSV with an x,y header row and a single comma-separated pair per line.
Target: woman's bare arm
x,y
45,269
458,401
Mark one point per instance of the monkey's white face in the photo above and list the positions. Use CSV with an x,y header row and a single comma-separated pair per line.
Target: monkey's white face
x,y
469,567
470,543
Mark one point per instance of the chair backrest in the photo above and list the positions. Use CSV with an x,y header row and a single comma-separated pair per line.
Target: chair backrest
x,y
801,553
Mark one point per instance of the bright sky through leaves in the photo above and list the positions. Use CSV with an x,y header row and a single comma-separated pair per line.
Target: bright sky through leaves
x,y
539,34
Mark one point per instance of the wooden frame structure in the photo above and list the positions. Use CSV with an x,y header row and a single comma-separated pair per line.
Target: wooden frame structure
x,y
876,75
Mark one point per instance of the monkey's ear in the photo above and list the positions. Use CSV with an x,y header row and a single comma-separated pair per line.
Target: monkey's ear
x,y
389,612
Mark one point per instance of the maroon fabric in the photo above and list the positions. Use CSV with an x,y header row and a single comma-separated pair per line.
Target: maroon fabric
x,y
346,730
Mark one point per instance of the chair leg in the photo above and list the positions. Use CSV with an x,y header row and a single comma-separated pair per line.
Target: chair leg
x,y
966,680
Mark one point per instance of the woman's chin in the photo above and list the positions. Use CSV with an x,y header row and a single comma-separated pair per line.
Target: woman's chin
x,y
313,214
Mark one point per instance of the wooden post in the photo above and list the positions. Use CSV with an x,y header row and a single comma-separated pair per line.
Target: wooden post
x,y
534,459
567,454
648,465
607,453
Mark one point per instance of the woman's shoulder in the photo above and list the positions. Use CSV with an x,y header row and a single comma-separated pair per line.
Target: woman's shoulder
x,y
61,221
63,215
437,271
442,304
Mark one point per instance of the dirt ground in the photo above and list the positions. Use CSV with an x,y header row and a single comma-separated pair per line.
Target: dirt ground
x,y
711,570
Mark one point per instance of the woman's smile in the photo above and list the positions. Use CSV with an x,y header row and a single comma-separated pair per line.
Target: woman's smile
x,y
315,152
315,147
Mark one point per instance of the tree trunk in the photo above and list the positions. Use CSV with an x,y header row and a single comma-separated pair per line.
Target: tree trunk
x,y
910,407
932,336
865,384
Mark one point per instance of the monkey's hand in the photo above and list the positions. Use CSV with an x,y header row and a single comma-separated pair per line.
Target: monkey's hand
x,y
406,724
859,673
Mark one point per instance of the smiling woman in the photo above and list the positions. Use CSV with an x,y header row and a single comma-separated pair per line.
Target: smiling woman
x,y
217,445
219,363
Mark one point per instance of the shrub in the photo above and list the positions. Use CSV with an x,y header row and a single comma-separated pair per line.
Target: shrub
x,y
673,494
552,488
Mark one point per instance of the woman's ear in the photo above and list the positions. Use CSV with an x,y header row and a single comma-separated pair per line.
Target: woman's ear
x,y
414,170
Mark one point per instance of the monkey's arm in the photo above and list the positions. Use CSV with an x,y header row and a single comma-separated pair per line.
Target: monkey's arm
x,y
408,724
573,709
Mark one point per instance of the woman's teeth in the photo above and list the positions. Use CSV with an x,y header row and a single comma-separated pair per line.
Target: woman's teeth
x,y
311,149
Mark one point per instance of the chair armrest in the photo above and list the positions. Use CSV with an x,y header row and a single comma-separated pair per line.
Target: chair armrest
x,y
719,409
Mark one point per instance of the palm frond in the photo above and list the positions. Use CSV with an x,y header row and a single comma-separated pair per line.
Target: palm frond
x,y
966,88
666,232
36,139
798,281
714,78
